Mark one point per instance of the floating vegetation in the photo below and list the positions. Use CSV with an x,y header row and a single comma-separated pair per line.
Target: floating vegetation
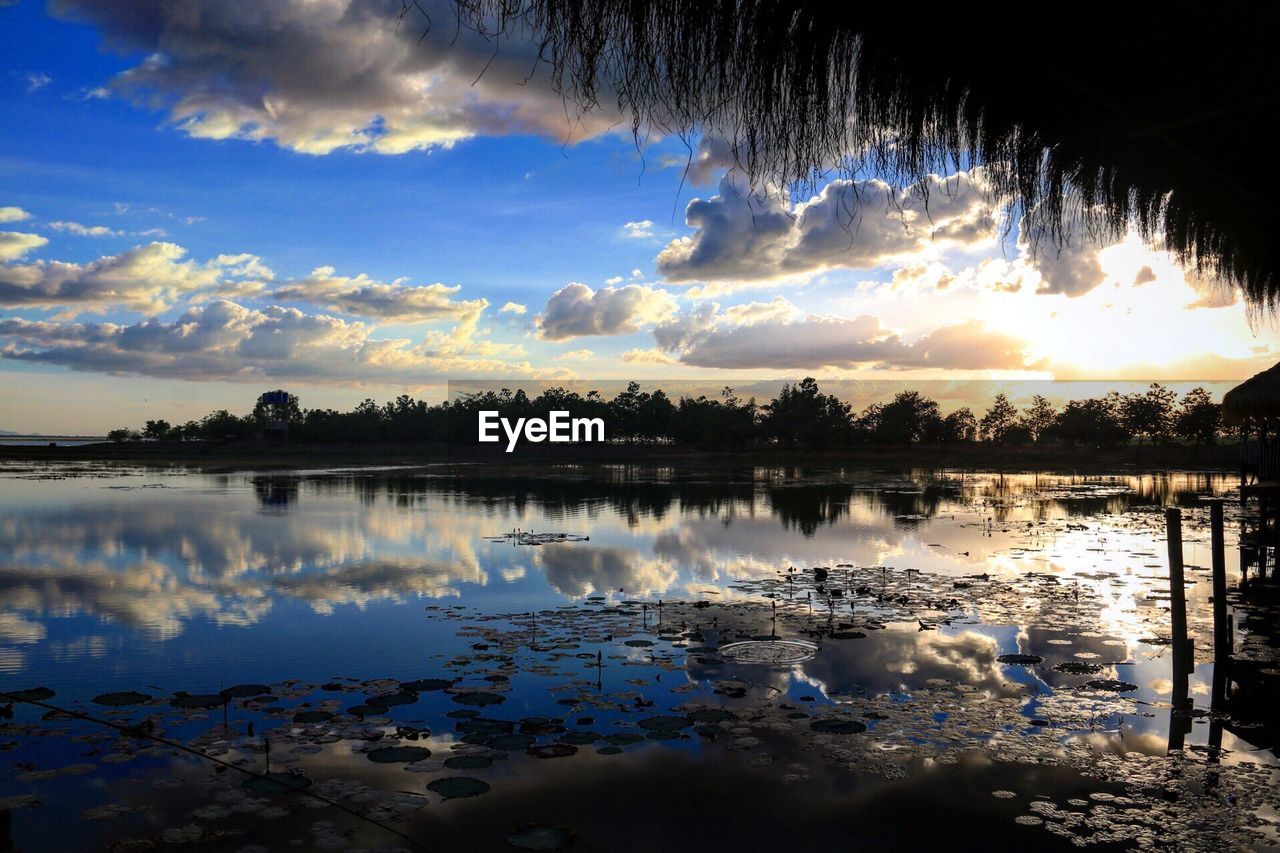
x,y
397,754
1021,660
458,787
1110,685
121,699
198,701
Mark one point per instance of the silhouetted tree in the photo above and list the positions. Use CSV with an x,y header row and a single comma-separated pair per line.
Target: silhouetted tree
x,y
156,430
1199,419
1038,417
1150,415
999,419
959,426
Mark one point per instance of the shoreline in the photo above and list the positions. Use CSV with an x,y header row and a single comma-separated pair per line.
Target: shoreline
x,y
1223,458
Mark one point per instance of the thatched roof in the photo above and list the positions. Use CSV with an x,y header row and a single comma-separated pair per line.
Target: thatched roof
x,y
1119,112
1254,399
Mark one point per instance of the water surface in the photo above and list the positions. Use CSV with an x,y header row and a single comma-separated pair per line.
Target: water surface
x,y
1004,635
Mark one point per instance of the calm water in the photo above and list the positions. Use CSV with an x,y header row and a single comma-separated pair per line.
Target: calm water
x,y
578,711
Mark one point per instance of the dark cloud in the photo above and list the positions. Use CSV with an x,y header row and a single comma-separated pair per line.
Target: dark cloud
x,y
321,75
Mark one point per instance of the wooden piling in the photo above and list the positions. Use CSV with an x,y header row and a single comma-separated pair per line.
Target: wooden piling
x,y
1221,627
1183,660
1177,592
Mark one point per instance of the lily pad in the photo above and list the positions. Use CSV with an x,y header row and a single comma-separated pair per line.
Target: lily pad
x,y
397,754
312,716
579,738
660,723
479,698
197,701
34,694
511,743
552,750
389,700
245,691
121,699
838,727
458,787
1021,660
1111,685
712,715
426,685
1074,667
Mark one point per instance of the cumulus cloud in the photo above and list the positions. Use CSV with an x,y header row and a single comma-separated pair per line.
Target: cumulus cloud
x,y
1072,269
576,310
147,278
514,308
13,214
15,244
774,335
227,341
365,297
746,236
316,76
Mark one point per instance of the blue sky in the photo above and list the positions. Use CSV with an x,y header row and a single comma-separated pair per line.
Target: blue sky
x,y
172,174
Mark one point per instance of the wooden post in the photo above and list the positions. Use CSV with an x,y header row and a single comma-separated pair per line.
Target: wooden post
x,y
1179,720
1177,591
1221,628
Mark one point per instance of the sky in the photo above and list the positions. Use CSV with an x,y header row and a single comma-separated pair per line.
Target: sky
x,y
201,200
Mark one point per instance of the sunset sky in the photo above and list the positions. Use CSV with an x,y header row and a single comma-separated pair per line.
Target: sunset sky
x,y
204,199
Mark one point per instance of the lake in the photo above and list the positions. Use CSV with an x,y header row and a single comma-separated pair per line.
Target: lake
x,y
617,658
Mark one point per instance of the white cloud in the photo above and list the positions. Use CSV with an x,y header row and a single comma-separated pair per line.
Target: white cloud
x,y
576,310
773,335
365,297
317,76
15,244
13,214
228,341
147,278
85,230
747,236
514,308
638,230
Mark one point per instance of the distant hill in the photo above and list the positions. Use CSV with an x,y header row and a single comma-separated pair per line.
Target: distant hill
x,y
9,432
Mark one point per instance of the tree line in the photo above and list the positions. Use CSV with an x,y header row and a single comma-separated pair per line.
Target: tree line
x,y
800,417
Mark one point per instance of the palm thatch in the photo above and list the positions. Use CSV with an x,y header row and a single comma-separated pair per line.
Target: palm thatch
x,y
1088,116
1256,400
